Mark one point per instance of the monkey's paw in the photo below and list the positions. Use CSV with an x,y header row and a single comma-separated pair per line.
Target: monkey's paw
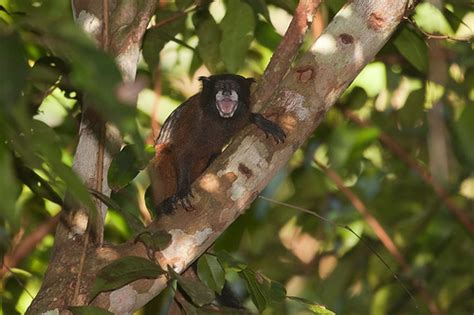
x,y
182,197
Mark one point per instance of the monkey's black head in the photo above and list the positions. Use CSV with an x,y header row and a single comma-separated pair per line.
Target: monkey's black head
x,y
226,93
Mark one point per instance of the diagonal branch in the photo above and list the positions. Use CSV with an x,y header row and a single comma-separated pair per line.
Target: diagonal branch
x,y
285,53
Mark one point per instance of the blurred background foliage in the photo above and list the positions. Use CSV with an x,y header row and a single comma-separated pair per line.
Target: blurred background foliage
x,y
47,63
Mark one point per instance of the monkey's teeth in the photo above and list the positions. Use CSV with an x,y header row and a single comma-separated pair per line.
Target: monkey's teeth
x,y
226,107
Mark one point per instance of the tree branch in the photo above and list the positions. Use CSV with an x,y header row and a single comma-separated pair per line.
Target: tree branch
x,y
285,53
28,244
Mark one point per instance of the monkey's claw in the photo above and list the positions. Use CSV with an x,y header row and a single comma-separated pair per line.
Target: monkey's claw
x,y
183,199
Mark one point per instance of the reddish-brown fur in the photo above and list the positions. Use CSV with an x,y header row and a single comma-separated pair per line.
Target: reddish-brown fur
x,y
194,135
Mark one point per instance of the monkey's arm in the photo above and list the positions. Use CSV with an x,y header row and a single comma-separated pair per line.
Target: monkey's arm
x,y
172,123
269,127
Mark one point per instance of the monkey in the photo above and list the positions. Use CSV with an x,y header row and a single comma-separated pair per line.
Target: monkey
x,y
195,133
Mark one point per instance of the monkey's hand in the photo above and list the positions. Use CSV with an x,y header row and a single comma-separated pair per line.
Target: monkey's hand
x,y
168,206
269,127
183,196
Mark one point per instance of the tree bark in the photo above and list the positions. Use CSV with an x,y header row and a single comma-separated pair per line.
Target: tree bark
x,y
235,179
99,141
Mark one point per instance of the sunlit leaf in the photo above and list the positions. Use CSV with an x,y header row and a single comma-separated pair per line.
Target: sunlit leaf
x,y
133,222
199,293
126,165
238,26
123,271
430,19
317,309
37,184
209,36
211,272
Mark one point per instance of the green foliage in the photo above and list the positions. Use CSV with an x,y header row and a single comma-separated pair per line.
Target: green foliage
x,y
263,291
123,271
199,293
211,272
238,26
413,48
46,58
127,164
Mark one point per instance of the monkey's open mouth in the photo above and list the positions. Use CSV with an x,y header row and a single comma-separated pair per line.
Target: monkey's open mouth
x,y
226,107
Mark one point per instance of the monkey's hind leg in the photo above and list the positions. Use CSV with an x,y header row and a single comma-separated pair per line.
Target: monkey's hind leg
x,y
163,179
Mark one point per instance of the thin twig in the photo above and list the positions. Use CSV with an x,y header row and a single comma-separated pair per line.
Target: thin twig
x,y
285,52
435,36
459,213
177,16
28,244
105,29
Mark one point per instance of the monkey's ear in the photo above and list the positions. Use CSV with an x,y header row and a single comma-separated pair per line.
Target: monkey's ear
x,y
203,79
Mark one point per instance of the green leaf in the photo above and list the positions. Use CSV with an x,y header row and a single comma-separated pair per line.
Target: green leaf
x,y
262,290
430,19
36,183
8,183
258,288
211,272
413,48
183,4
229,262
155,241
124,271
126,165
209,36
260,7
88,310
12,64
290,5
238,26
199,293
464,130
267,36
313,307
156,37
348,142
133,222
278,291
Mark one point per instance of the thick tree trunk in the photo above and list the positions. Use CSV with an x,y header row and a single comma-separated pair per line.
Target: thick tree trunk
x,y
66,277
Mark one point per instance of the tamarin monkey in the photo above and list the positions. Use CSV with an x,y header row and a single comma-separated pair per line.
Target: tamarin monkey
x,y
195,133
